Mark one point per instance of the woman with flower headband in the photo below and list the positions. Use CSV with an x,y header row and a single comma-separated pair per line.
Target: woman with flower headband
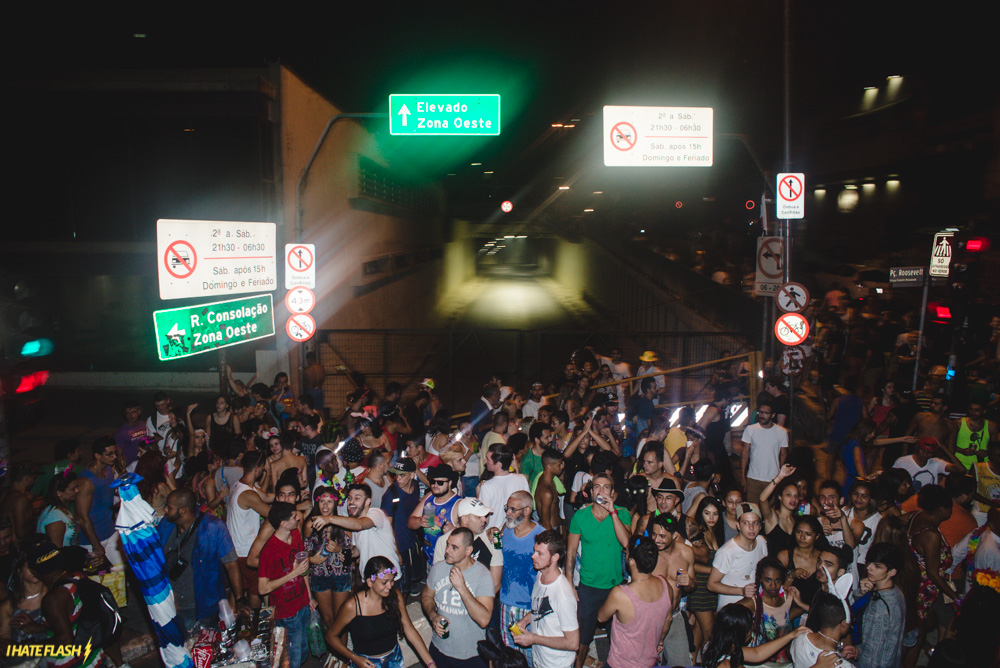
x,y
330,550
375,619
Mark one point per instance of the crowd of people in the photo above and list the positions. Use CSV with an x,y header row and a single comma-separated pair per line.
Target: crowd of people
x,y
581,522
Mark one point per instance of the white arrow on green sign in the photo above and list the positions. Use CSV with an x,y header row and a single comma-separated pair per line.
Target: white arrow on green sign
x,y
191,330
440,114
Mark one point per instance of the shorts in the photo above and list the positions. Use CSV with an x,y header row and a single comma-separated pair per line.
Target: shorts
x,y
337,584
249,576
393,659
591,600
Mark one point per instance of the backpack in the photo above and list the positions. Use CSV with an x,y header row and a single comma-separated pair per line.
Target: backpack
x,y
99,618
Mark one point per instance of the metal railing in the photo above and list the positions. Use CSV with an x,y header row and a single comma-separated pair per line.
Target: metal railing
x,y
461,361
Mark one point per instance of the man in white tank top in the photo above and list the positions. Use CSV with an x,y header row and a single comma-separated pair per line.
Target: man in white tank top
x,y
246,509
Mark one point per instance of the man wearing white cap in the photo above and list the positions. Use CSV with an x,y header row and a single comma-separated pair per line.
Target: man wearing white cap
x,y
473,514
536,400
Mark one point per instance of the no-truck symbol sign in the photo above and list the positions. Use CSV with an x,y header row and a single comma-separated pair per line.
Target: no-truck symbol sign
x,y
180,259
624,136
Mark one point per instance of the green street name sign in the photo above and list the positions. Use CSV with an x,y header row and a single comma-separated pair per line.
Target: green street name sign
x,y
459,114
191,330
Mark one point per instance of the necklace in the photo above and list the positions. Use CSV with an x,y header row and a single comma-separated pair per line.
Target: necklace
x,y
837,646
28,598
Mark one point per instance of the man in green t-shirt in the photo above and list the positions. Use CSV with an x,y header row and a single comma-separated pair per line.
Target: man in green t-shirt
x,y
601,530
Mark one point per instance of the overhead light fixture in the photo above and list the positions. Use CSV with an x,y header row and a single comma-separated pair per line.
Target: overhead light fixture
x,y
521,236
569,125
475,164
574,120
557,125
563,187
598,192
588,210
508,236
489,172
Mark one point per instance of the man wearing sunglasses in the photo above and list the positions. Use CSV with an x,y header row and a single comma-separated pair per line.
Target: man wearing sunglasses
x,y
434,512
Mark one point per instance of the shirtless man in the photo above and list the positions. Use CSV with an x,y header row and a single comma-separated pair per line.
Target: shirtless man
x,y
935,423
546,496
281,457
675,562
16,501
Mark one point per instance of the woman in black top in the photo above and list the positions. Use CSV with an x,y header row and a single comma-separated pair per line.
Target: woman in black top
x,y
375,616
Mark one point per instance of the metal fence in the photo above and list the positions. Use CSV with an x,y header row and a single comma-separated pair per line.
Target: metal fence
x,y
461,361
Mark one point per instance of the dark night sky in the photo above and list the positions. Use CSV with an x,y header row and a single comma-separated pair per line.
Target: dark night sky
x,y
567,59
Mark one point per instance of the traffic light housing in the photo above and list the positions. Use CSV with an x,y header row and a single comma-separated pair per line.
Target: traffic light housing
x,y
25,331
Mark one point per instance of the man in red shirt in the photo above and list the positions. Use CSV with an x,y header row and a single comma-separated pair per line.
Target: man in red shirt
x,y
286,579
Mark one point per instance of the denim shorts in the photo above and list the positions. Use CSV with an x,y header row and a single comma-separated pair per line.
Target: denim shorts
x,y
335,583
393,659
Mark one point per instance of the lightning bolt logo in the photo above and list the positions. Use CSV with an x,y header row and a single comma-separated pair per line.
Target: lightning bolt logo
x,y
86,652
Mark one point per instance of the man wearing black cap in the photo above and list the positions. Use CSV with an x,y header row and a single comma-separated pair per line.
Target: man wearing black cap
x,y
60,605
398,502
433,513
668,500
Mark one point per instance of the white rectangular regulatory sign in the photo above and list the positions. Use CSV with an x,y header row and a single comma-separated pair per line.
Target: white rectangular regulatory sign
x,y
791,196
300,266
199,258
658,136
941,254
770,269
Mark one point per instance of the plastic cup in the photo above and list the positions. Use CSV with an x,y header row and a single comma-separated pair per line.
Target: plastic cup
x,y
300,557
241,650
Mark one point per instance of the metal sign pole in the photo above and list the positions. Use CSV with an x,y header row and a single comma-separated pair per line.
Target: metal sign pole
x,y
920,336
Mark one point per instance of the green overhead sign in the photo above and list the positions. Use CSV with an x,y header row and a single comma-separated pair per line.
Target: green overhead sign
x,y
190,330
437,114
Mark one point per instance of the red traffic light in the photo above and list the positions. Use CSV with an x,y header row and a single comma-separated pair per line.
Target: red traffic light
x,y
977,244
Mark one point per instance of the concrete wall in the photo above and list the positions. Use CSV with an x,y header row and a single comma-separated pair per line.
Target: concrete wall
x,y
346,237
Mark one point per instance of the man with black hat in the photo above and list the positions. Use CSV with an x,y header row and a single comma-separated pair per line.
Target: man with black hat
x,y
398,502
434,512
668,500
59,606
